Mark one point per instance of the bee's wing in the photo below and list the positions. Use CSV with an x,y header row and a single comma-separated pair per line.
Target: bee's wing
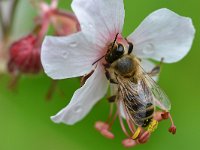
x,y
136,98
160,98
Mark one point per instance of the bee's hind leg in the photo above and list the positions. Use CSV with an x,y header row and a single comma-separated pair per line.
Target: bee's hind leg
x,y
156,70
144,137
141,136
137,133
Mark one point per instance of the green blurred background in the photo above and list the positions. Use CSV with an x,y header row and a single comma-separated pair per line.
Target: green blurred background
x,y
24,114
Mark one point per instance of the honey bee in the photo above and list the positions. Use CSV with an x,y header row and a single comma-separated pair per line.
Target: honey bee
x,y
136,90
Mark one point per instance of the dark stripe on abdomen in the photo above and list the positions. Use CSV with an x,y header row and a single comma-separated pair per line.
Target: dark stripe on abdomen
x,y
142,115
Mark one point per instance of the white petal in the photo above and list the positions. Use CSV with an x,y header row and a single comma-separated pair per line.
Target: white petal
x,y
84,99
100,19
66,57
163,34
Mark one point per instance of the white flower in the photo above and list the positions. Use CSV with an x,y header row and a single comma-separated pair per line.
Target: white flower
x,y
163,34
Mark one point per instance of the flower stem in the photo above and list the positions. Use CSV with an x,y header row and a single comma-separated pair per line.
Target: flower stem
x,y
51,89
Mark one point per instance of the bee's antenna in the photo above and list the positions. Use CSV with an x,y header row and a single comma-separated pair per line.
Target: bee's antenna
x,y
105,54
98,59
115,40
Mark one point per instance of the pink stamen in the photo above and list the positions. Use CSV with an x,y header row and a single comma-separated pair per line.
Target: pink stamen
x,y
170,117
113,120
110,113
106,133
165,115
144,137
123,127
129,143
130,125
103,128
99,125
172,129
160,115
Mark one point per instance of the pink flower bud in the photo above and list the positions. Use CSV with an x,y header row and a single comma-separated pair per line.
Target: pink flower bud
x,y
25,55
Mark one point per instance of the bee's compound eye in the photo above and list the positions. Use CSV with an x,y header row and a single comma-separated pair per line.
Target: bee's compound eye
x,y
120,50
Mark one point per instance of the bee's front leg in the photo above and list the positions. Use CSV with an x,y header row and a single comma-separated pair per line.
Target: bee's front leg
x,y
85,77
108,75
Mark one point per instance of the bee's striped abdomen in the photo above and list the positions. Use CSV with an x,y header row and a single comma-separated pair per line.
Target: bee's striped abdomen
x,y
142,114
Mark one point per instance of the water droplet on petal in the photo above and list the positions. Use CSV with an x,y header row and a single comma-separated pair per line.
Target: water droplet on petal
x,y
90,26
82,26
148,49
65,54
77,108
73,44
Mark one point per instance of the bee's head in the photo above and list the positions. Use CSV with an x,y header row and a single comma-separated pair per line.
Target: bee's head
x,y
115,51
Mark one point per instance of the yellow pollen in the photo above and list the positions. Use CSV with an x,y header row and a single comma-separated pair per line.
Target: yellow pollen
x,y
152,126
